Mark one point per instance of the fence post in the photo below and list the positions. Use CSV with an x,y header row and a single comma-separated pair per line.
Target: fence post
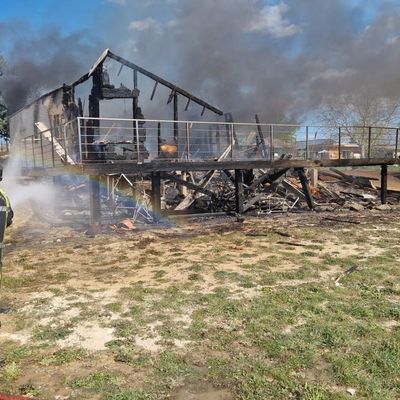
x,y
397,143
340,143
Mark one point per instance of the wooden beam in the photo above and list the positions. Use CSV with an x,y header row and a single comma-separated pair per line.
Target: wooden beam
x,y
269,177
166,166
190,185
128,168
306,187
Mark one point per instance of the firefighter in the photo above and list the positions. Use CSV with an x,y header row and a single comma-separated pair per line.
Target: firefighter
x,y
5,207
6,218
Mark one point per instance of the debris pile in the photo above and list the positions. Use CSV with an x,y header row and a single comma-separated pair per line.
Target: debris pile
x,y
279,190
126,200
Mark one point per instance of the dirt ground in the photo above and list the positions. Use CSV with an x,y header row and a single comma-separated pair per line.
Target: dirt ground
x,y
206,309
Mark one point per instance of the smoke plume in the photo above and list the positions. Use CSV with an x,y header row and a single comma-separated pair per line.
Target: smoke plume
x,y
280,59
39,61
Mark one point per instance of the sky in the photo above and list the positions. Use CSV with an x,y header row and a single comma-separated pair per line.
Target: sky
x,y
282,59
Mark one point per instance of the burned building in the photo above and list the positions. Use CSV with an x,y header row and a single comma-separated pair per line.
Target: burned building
x,y
79,128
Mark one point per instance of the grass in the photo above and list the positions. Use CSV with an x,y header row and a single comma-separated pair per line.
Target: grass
x,y
258,319
64,356
97,381
52,334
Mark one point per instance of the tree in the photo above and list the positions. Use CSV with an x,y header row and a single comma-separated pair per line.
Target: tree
x,y
355,113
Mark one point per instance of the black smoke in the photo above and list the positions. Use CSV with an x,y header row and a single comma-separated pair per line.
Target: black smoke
x,y
41,60
282,60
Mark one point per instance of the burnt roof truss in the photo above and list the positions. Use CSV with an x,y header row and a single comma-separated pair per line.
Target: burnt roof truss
x,y
175,90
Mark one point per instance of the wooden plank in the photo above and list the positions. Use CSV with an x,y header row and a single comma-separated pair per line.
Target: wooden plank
x,y
190,185
166,166
291,188
189,199
268,177
45,131
131,168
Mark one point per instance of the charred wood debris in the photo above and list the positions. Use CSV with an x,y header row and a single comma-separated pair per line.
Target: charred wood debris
x,y
263,192
279,190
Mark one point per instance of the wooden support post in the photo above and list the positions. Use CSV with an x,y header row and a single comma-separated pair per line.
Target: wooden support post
x,y
314,176
156,194
384,171
306,187
239,190
94,199
94,112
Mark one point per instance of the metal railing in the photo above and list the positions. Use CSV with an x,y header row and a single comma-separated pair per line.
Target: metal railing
x,y
99,140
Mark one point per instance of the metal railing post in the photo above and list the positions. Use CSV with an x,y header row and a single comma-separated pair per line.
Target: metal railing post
x,y
340,143
397,144
187,141
369,141
271,142
137,141
231,139
79,140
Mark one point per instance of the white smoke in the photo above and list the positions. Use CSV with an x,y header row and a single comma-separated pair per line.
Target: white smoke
x,y
23,194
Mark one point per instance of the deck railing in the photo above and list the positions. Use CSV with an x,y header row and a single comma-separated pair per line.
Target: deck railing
x,y
99,140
